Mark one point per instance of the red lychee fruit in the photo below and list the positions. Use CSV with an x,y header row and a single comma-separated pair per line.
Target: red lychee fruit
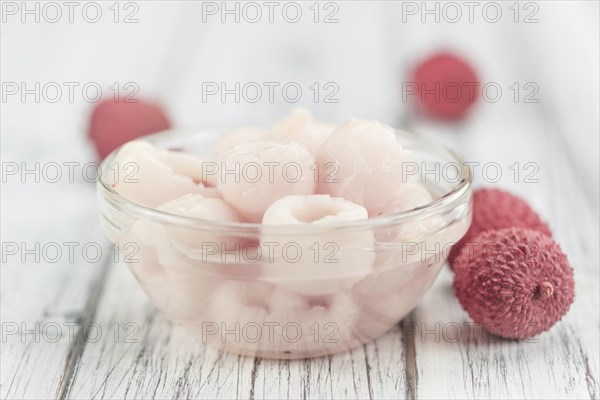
x,y
115,123
446,86
497,209
515,283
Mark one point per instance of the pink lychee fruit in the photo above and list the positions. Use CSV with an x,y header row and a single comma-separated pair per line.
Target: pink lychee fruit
x,y
115,123
497,209
515,282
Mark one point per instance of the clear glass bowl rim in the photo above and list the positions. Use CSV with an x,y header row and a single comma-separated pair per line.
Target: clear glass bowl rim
x,y
443,203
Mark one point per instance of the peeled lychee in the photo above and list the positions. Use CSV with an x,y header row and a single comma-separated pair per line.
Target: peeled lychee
x,y
409,196
253,175
320,261
236,137
205,208
300,127
142,173
313,209
446,86
497,209
322,323
362,161
515,282
115,123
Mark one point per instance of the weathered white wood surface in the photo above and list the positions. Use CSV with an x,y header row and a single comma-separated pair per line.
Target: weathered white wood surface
x,y
138,354
462,361
45,303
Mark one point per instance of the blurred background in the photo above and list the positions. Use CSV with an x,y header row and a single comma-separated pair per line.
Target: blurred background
x,y
349,59
203,62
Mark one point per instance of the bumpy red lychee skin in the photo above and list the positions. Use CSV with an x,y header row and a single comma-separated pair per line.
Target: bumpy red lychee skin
x,y
446,86
515,283
497,209
114,123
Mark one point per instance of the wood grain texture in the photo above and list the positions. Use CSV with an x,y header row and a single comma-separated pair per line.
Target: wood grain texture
x,y
457,359
45,304
138,354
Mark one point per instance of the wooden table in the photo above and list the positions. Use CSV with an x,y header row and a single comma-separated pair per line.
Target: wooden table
x,y
48,309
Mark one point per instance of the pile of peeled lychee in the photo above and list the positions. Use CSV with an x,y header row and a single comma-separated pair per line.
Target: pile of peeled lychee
x,y
510,275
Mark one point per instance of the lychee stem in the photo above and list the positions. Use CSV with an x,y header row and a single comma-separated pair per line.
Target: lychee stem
x,y
545,290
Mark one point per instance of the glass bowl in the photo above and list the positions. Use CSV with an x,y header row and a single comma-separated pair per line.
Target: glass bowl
x,y
288,292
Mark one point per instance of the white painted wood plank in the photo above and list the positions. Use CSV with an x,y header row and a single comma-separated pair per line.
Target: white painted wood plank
x,y
45,303
561,363
468,363
165,363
